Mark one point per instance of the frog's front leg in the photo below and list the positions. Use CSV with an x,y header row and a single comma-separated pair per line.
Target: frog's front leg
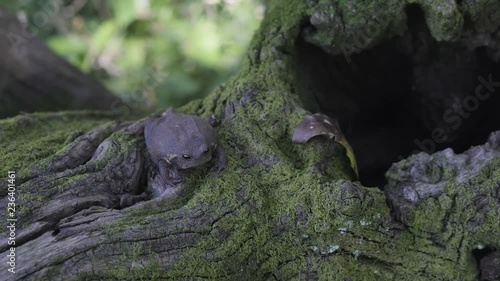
x,y
166,182
168,189
137,127
168,173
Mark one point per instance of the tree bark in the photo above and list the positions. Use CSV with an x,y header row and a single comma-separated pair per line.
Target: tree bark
x,y
279,210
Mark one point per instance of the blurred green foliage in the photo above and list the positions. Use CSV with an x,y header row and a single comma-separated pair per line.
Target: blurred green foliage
x,y
168,51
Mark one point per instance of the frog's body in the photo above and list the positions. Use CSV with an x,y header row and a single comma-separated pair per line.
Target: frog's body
x,y
176,142
183,141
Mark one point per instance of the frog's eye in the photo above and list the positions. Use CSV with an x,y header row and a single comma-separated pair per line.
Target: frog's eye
x,y
206,150
186,156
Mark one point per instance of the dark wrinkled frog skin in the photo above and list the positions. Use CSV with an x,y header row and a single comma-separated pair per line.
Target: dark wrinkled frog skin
x,y
176,143
183,141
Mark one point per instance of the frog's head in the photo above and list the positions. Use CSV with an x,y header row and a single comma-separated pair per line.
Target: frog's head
x,y
191,156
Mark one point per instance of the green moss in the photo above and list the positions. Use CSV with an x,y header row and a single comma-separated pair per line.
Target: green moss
x,y
286,209
346,27
30,141
443,18
126,268
27,198
488,214
269,179
483,15
453,221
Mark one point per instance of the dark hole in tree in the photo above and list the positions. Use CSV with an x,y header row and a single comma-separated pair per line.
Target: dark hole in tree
x,y
405,95
479,254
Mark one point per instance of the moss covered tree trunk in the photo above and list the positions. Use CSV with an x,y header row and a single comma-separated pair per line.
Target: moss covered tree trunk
x,y
279,210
